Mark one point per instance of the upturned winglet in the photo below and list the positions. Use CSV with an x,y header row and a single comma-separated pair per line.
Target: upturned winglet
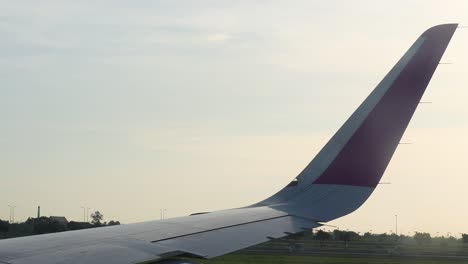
x,y
351,164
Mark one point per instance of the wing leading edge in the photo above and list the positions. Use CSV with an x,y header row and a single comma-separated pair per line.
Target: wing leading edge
x,y
335,183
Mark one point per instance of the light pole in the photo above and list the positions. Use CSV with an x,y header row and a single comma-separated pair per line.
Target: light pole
x,y
12,213
84,213
87,214
396,225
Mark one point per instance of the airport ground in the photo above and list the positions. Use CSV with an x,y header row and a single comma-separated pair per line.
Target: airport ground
x,y
339,252
331,247
282,259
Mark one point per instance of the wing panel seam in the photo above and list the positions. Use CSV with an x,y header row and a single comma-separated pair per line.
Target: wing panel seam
x,y
220,228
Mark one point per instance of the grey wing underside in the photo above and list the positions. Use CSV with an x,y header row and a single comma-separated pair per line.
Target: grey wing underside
x,y
337,181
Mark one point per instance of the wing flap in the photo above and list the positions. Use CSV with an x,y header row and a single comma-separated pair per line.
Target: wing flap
x,y
222,241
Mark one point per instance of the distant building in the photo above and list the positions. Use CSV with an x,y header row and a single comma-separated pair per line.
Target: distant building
x,y
60,219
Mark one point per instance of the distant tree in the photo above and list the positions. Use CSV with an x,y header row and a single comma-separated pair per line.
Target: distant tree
x,y
78,225
351,236
465,238
393,237
97,218
112,222
4,226
382,237
345,235
44,225
422,238
322,235
338,235
368,236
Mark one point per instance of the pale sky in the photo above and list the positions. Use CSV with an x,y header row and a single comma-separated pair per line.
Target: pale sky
x,y
128,107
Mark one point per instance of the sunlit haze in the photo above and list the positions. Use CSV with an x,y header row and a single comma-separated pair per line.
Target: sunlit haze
x,y
130,107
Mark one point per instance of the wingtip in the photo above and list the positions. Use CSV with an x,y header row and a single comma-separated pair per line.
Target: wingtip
x,y
449,27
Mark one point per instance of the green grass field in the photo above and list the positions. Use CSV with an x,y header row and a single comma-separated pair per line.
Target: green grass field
x,y
337,252
260,259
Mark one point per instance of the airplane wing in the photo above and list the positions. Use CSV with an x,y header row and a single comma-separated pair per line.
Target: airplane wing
x,y
335,183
